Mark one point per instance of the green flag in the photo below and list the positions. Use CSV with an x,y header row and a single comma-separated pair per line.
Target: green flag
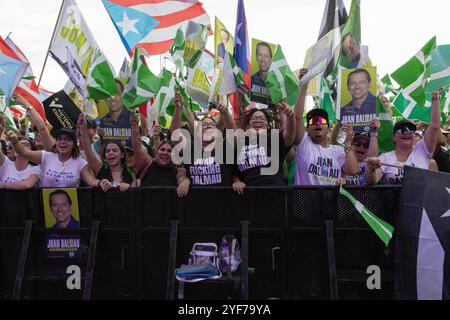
x,y
413,75
385,143
410,109
440,69
164,101
142,83
326,101
383,229
351,29
177,50
6,112
281,82
386,85
100,83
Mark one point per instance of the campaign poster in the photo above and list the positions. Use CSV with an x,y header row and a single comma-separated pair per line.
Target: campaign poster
x,y
61,111
223,42
262,55
356,101
61,213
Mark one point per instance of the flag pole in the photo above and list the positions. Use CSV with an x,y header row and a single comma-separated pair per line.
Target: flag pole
x,y
51,40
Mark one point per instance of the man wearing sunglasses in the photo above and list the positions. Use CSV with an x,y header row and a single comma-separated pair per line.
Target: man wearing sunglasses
x,y
318,162
405,153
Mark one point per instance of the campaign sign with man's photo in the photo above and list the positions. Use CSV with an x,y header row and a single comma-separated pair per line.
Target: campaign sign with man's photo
x,y
115,119
61,213
356,101
262,54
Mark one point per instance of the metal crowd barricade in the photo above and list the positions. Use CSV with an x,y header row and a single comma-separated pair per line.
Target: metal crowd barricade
x,y
297,243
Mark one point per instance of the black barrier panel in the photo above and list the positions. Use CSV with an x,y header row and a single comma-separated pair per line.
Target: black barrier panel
x,y
16,207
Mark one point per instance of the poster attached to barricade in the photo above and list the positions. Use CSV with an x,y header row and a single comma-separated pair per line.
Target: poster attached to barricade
x,y
61,212
356,101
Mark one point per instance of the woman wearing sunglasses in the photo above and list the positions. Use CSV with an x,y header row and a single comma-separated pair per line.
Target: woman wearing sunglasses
x,y
405,152
317,161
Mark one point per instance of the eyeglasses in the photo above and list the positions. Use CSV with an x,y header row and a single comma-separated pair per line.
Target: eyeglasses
x,y
361,144
405,130
206,125
317,120
258,119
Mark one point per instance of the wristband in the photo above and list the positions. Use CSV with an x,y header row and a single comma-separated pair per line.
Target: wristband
x,y
99,181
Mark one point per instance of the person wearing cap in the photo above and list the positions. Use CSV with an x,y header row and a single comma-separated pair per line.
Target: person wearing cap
x,y
160,170
317,161
405,152
62,167
111,169
18,174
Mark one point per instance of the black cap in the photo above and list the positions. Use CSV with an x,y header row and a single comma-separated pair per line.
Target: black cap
x,y
128,150
317,112
404,123
67,131
361,136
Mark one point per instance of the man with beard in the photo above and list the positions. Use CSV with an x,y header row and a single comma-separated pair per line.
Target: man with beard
x,y
318,162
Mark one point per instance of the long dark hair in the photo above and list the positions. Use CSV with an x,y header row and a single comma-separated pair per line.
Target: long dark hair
x,y
106,173
245,119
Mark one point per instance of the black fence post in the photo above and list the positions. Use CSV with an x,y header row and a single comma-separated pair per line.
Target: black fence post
x,y
22,259
172,259
91,261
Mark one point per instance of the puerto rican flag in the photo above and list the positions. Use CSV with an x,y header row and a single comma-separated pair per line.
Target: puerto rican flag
x,y
27,88
171,14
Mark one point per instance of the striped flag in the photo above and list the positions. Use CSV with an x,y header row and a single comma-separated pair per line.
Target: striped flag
x,y
440,68
326,100
171,14
281,82
413,75
410,109
6,112
383,229
27,87
44,93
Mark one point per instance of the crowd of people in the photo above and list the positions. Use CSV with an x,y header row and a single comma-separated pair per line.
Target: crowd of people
x,y
302,150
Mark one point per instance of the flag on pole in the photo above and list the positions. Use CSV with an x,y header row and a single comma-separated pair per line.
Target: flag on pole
x,y
177,50
281,82
100,82
241,51
410,109
73,34
413,75
382,229
335,15
6,112
142,83
11,73
27,88
440,69
171,14
164,101
223,42
326,100
132,25
386,85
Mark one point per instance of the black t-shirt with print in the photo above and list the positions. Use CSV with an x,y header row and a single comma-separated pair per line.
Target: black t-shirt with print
x,y
157,176
210,170
251,158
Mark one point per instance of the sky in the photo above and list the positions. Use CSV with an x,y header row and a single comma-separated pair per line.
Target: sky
x,y
394,30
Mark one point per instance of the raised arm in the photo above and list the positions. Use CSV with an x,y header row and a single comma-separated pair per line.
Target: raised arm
x,y
373,145
95,163
226,116
142,158
32,156
88,177
2,128
350,166
434,129
176,119
299,110
47,140
289,130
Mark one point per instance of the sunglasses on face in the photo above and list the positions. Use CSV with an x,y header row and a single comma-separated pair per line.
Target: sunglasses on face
x,y
361,144
317,120
405,130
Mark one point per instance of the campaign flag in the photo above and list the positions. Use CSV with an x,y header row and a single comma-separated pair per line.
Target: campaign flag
x,y
177,50
385,143
11,73
164,101
351,33
61,111
386,85
171,14
326,100
27,88
198,86
413,75
422,245
142,83
194,43
382,229
335,15
440,68
132,25
100,82
6,112
410,109
223,42
73,34
281,82
124,69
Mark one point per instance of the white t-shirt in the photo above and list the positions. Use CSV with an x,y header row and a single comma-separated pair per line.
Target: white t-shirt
x,y
9,173
57,174
420,158
316,165
360,178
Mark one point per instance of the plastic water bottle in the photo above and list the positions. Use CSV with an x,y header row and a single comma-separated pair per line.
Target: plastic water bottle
x,y
341,137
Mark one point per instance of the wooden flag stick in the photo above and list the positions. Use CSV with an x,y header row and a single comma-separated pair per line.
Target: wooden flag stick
x,y
389,165
51,40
